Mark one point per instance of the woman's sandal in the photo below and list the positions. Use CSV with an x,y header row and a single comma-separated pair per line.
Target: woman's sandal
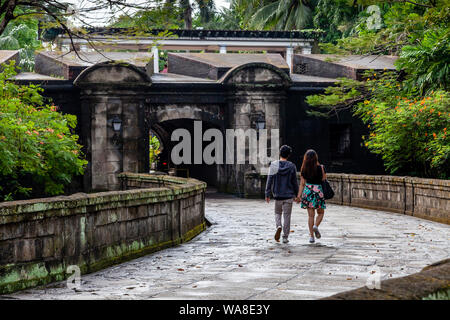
x,y
316,232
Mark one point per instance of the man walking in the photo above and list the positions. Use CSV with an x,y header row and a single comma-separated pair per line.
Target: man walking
x,y
282,183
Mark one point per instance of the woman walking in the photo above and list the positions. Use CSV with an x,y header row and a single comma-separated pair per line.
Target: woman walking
x,y
310,193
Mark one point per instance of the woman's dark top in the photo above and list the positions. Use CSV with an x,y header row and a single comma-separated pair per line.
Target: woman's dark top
x,y
316,177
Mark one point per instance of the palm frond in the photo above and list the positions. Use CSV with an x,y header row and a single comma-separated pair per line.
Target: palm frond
x,y
264,15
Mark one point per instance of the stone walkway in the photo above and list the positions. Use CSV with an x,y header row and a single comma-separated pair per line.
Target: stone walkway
x,y
237,257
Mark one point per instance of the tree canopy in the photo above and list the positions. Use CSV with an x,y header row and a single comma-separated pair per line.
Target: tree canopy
x,y
407,112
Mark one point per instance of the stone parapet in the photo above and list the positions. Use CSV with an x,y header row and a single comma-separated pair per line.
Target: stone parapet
x,y
40,238
418,197
431,279
423,198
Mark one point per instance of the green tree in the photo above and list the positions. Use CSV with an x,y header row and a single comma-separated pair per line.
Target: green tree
x,y
160,17
22,35
407,112
225,19
207,10
401,24
407,130
154,150
38,149
170,14
427,64
276,14
337,18
411,137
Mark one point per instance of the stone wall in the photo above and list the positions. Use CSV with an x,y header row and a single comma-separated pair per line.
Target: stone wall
x,y
423,198
433,278
40,238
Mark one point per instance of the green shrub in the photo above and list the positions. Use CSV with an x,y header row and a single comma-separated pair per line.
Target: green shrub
x,y
37,144
409,132
411,136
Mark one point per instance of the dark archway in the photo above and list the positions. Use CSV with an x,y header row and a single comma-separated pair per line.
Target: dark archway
x,y
202,171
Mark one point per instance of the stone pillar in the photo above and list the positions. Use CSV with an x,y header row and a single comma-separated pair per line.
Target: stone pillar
x,y
409,196
155,52
222,49
113,152
110,93
256,91
250,107
289,56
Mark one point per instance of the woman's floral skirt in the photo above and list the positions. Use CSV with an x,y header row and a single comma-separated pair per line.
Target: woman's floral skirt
x,y
312,197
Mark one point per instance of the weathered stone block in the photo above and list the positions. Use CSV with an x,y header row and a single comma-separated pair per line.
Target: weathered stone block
x,y
58,245
112,167
132,229
11,231
101,236
132,213
25,250
142,211
48,249
113,181
143,229
7,252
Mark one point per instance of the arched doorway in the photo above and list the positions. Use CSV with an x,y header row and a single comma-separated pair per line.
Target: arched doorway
x,y
192,168
118,92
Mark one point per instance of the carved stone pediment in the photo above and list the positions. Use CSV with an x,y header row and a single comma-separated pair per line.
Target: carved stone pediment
x,y
256,74
112,72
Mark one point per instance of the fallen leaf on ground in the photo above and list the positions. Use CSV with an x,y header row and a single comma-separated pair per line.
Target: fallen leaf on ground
x,y
180,269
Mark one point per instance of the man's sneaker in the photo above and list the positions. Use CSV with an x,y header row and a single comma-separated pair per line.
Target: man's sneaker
x,y
311,240
277,234
316,232
285,240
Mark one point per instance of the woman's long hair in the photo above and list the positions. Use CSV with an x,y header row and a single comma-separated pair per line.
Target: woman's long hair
x,y
309,165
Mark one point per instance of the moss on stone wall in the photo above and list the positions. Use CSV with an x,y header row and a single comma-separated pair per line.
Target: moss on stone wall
x,y
85,229
17,277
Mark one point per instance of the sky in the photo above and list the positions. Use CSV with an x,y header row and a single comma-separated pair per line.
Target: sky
x,y
99,17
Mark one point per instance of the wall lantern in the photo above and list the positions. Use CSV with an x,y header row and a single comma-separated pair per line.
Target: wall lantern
x,y
260,122
117,127
117,123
